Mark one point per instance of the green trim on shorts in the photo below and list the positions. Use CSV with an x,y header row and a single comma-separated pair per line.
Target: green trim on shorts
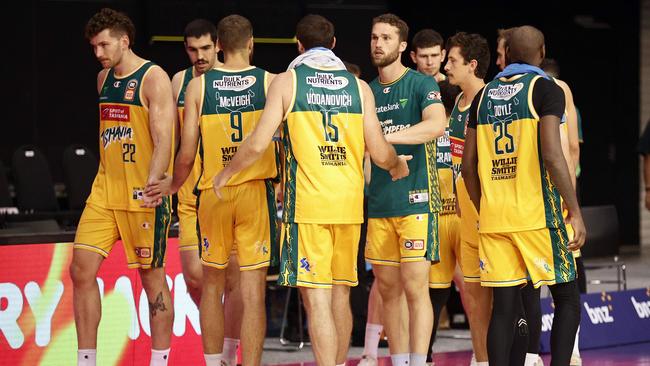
x,y
198,227
290,168
288,275
161,229
563,263
433,239
274,239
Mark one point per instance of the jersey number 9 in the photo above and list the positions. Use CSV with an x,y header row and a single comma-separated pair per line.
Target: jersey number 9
x,y
236,124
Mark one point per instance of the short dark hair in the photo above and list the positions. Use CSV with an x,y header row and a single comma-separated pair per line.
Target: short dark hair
x,y
315,31
427,38
395,21
448,94
199,27
117,22
472,46
233,32
551,67
353,68
504,33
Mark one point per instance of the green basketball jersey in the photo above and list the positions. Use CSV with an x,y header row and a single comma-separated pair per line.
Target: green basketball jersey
x,y
399,105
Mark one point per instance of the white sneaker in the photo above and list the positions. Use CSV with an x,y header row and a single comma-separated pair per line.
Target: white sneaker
x,y
473,361
575,360
539,361
367,361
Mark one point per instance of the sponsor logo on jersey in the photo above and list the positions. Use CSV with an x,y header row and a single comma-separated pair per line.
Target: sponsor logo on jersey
x,y
386,90
117,84
145,225
304,264
504,168
327,80
505,92
206,244
418,197
332,155
138,193
387,108
434,95
115,112
143,252
234,82
387,126
542,264
129,93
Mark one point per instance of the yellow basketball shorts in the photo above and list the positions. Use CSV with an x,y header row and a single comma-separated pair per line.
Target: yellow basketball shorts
x,y
319,255
245,217
510,259
143,234
188,237
395,240
442,273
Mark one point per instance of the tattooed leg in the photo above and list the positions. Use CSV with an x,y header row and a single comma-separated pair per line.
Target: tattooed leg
x,y
161,311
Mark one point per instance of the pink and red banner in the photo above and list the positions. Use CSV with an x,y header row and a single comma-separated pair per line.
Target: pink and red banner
x,y
37,320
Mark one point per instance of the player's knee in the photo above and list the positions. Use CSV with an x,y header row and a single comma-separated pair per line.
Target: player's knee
x,y
80,275
192,282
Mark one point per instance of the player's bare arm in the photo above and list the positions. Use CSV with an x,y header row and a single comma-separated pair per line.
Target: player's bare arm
x,y
572,124
556,165
277,103
158,97
381,152
432,126
177,83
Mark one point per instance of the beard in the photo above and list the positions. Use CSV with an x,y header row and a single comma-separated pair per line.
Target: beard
x,y
387,59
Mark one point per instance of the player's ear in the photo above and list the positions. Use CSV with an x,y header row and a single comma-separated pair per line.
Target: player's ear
x,y
443,54
333,43
413,57
301,48
402,46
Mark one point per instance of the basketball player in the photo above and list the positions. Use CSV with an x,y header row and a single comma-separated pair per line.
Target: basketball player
x,y
403,215
467,64
200,40
135,137
513,154
329,115
222,106
428,53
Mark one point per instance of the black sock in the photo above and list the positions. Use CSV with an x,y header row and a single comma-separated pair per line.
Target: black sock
x,y
533,309
505,308
582,275
439,297
566,319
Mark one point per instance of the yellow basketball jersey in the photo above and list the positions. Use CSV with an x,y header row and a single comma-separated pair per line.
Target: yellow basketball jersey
x,y
185,192
517,191
232,104
324,146
125,144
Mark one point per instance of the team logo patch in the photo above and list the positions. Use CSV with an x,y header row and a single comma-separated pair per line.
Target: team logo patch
x,y
131,85
304,264
234,82
206,244
420,197
482,264
542,264
138,193
434,95
141,252
326,80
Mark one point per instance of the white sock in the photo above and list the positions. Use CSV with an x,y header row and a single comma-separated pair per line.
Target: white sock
x,y
417,359
371,342
576,349
484,363
86,357
472,362
531,359
212,359
229,353
400,359
159,357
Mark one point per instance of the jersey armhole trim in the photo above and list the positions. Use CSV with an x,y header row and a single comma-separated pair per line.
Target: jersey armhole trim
x,y
141,90
294,80
200,110
360,94
531,106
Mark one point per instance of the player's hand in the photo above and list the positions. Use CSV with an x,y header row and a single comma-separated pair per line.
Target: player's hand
x,y
155,190
219,182
579,231
401,169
